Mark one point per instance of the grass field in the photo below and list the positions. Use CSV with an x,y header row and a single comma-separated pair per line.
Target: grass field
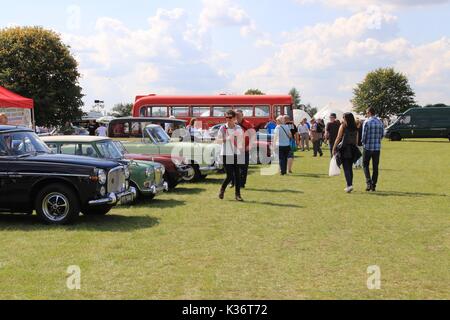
x,y
295,237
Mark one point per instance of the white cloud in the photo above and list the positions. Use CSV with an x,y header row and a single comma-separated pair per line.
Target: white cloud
x,y
118,62
361,4
325,61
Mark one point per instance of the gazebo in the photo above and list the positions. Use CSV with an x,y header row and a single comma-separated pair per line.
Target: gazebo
x,y
19,110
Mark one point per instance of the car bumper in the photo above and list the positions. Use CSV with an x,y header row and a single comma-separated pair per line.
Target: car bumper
x,y
155,190
116,198
210,169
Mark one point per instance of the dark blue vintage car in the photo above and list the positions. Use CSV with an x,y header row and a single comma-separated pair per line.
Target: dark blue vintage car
x,y
58,187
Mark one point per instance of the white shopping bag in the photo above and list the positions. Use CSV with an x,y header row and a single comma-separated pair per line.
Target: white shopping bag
x,y
334,168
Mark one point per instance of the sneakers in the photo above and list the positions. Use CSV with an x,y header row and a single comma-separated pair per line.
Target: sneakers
x,y
349,189
369,188
222,194
239,199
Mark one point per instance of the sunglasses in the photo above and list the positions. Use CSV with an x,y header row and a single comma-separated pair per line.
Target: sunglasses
x,y
229,118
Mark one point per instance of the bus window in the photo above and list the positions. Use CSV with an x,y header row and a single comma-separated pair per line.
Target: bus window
x,y
145,112
159,111
201,112
179,111
248,111
262,111
220,111
279,111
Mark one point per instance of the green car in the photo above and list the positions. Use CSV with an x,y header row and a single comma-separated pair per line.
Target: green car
x,y
146,176
421,123
204,157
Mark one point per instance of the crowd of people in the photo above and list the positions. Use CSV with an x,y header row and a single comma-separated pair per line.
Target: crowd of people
x,y
352,142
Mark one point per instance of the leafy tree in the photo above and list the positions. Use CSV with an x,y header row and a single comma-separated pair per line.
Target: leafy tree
x,y
386,90
295,94
254,92
310,110
123,109
36,64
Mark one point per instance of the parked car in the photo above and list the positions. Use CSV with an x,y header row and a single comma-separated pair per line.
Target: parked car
x,y
421,123
147,177
58,187
177,169
202,157
134,127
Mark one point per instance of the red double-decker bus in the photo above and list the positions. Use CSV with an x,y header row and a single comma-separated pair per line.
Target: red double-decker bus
x,y
210,110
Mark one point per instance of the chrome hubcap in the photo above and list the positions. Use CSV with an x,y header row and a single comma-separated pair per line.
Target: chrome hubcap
x,y
55,206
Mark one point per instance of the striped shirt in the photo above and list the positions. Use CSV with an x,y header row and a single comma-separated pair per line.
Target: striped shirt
x,y
373,133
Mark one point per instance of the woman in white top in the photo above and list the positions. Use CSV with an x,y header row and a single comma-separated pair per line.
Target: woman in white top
x,y
231,137
303,131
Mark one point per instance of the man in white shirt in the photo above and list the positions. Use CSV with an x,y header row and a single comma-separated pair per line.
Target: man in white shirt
x,y
102,131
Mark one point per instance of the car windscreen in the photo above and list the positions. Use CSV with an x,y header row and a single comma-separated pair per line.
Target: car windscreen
x,y
158,134
22,143
109,150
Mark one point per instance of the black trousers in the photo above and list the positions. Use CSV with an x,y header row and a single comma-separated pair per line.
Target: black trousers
x,y
244,169
373,156
233,171
283,155
347,164
317,147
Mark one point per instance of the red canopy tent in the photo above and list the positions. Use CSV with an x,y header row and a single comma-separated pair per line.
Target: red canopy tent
x,y
18,106
10,99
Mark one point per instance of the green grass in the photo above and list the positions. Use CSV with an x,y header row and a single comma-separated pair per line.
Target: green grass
x,y
295,237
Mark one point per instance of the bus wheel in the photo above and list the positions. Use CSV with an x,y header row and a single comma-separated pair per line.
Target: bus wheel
x,y
396,137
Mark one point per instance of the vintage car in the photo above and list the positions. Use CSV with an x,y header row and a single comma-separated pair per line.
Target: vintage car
x,y
58,187
202,157
176,168
147,177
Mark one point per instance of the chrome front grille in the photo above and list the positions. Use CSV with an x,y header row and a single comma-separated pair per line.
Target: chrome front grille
x,y
158,176
116,180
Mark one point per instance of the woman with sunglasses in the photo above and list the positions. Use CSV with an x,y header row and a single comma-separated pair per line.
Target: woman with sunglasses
x,y
231,137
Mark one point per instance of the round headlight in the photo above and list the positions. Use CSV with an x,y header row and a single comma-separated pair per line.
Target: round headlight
x,y
102,176
127,172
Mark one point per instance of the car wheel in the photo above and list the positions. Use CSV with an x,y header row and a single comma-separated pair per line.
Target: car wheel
x,y
97,211
396,137
192,177
57,204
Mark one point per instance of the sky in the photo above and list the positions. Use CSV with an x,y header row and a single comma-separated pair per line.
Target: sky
x,y
321,47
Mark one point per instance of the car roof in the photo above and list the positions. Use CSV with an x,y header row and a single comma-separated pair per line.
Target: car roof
x,y
13,129
78,139
148,119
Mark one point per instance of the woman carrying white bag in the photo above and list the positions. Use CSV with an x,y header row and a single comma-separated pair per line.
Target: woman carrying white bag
x,y
345,150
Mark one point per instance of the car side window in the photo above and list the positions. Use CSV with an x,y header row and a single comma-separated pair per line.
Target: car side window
x,y
53,147
3,149
70,149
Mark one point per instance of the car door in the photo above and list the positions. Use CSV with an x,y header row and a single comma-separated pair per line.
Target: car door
x,y
4,180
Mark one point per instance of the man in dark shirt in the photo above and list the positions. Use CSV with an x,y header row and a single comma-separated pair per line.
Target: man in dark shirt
x,y
92,127
332,131
250,137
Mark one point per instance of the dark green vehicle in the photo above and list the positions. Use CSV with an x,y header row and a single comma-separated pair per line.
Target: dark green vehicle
x,y
147,177
421,123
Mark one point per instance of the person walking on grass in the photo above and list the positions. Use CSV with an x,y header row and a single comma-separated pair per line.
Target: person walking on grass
x,y
316,137
332,131
282,141
345,148
373,133
250,138
293,140
231,137
303,132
